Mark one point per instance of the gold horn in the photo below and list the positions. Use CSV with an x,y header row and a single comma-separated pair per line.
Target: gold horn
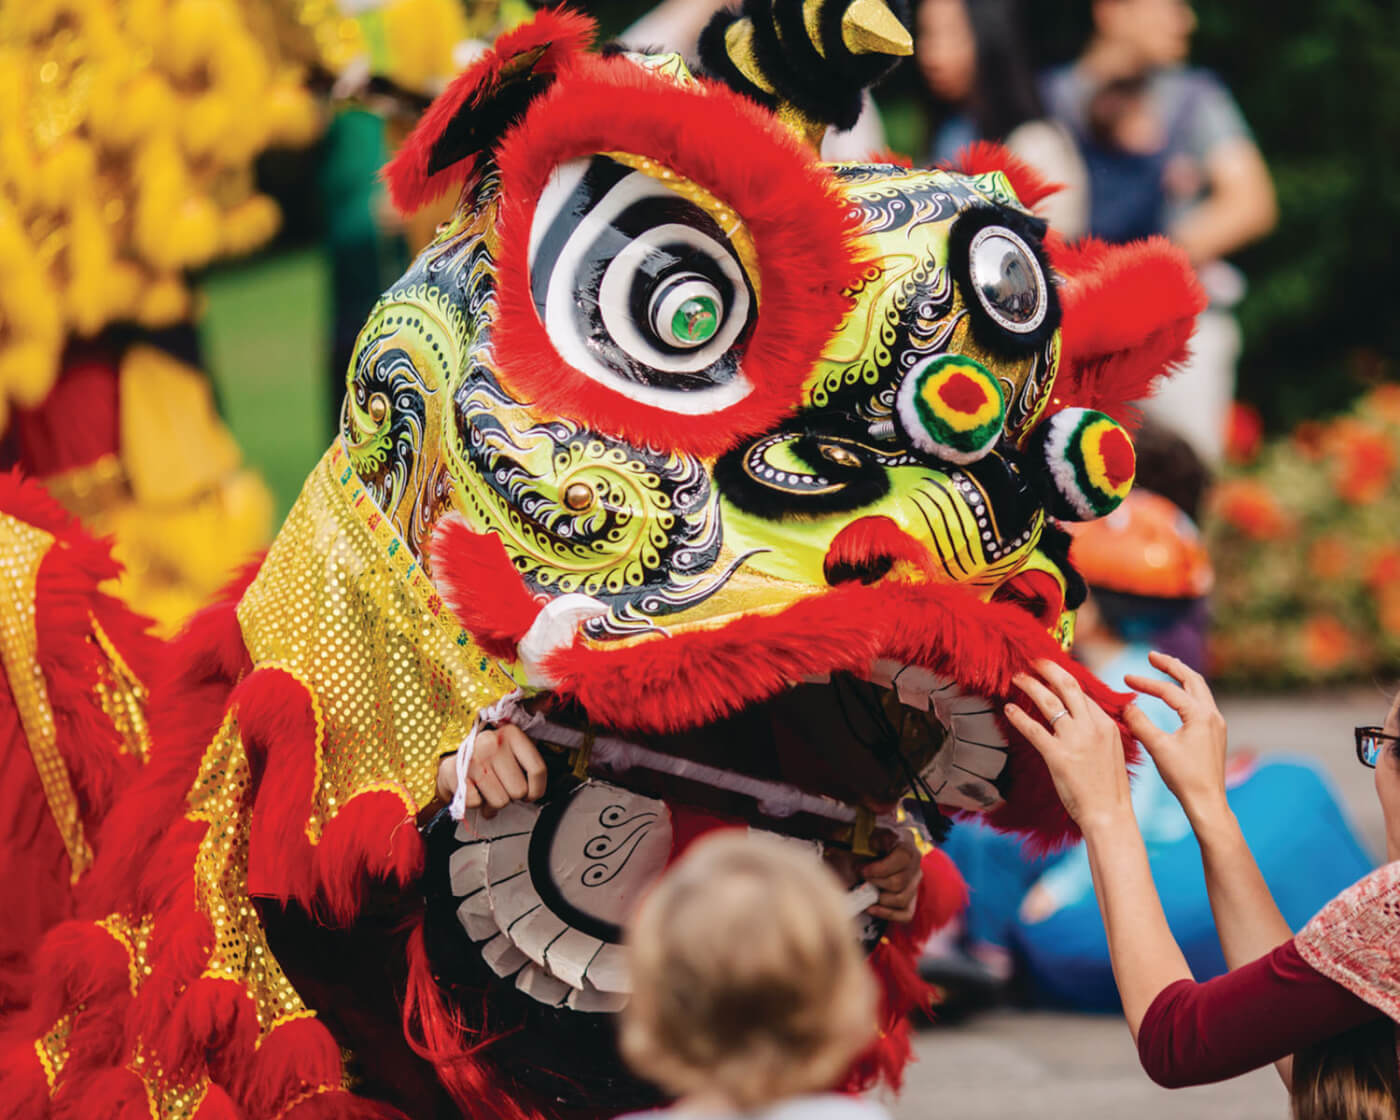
x,y
869,27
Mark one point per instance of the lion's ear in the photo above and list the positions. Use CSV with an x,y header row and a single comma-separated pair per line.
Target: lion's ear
x,y
1129,312
482,102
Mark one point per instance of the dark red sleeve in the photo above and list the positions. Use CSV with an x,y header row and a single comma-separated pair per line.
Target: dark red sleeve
x,y
1266,1010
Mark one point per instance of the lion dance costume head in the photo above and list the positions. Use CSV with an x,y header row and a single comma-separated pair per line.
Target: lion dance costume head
x,y
732,476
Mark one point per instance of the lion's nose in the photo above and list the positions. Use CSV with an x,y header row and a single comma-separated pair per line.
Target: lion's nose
x,y
867,550
951,408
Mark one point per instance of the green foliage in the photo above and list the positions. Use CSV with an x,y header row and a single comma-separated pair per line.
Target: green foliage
x,y
1320,84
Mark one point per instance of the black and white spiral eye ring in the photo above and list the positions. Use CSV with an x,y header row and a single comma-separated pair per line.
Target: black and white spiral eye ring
x,y
639,288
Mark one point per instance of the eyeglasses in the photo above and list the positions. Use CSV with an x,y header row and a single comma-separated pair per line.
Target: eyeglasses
x,y
1370,741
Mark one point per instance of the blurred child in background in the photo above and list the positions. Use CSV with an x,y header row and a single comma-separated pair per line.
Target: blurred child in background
x,y
750,996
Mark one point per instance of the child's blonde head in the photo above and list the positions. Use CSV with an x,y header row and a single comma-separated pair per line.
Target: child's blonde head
x,y
747,979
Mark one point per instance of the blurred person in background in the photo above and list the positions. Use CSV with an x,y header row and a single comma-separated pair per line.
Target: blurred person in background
x,y
973,59
675,25
1168,151
750,996
1322,1005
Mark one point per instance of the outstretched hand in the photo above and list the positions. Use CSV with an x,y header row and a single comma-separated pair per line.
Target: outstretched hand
x,y
1191,759
1080,742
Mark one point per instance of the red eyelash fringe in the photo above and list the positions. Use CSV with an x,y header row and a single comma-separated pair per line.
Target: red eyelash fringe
x,y
982,156
801,234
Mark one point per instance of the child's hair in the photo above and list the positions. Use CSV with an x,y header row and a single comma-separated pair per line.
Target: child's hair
x,y
747,979
1350,1077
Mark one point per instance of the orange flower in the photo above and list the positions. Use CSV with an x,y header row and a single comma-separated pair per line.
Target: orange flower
x,y
1384,401
1245,433
1388,610
1383,569
1252,509
1327,644
1330,558
1365,463
1309,438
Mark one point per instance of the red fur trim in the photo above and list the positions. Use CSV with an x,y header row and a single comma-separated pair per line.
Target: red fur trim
x,y
23,1086
190,689
67,599
115,1094
477,581
373,837
277,720
561,34
217,1105
982,156
438,1034
801,234
297,1058
81,963
1129,311
213,1020
942,896
690,679
868,547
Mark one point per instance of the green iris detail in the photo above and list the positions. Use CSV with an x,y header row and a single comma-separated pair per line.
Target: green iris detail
x,y
695,320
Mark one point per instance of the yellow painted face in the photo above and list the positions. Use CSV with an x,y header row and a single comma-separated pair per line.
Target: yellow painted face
x,y
722,428
898,460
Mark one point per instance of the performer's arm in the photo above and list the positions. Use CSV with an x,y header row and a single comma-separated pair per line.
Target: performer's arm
x,y
1083,748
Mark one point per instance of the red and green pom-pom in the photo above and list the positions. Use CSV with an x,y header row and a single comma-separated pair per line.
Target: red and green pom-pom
x,y
1091,460
952,407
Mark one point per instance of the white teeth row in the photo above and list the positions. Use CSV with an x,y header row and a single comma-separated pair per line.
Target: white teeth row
x,y
963,772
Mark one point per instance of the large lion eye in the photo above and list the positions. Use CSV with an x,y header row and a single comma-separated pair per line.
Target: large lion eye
x,y
1007,280
639,288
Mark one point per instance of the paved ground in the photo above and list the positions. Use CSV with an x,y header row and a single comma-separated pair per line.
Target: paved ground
x,y
1023,1065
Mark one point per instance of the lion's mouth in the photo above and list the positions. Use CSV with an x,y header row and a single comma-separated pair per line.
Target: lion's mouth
x,y
828,759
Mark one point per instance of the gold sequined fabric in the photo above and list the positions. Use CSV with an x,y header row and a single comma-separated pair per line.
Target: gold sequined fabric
x,y
220,799
122,696
342,603
22,550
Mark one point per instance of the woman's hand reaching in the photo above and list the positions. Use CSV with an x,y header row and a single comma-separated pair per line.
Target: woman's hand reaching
x,y
1190,759
1080,743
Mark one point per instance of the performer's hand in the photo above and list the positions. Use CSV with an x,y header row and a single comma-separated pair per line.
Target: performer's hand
x,y
1079,741
506,766
896,874
1190,759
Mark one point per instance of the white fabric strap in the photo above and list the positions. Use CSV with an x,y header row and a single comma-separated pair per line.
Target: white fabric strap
x,y
505,710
